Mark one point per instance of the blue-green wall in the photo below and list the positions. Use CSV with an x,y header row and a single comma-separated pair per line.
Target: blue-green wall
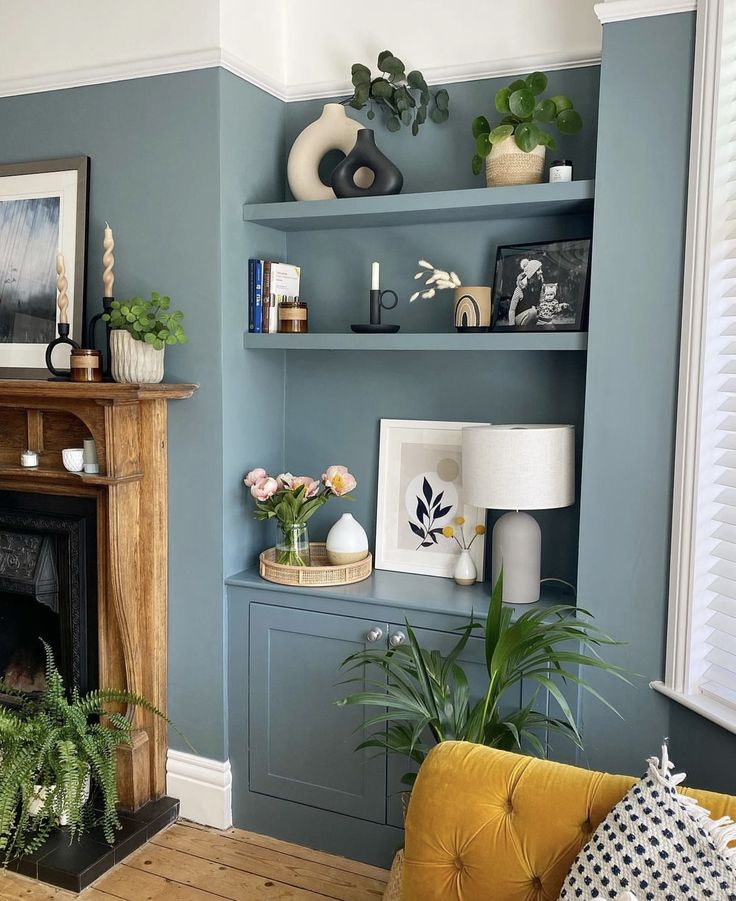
x,y
173,158
630,414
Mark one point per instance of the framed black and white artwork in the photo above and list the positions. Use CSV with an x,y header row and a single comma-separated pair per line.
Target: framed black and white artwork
x,y
43,213
420,492
542,287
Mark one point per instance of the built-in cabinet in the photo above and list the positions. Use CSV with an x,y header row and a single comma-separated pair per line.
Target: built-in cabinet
x,y
293,749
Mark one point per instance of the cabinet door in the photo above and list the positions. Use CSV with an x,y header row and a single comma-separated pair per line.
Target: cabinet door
x,y
472,661
302,746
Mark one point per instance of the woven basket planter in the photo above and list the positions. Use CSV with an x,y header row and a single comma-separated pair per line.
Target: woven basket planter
x,y
392,891
507,165
319,575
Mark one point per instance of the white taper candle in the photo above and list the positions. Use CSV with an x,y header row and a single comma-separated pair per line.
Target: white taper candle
x,y
108,261
375,277
61,286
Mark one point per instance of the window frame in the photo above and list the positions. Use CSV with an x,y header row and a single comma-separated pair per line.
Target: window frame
x,y
696,286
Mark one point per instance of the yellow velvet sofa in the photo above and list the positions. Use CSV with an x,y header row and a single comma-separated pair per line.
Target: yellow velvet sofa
x,y
487,825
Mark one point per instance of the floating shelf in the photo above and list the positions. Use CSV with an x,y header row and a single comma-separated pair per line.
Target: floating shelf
x,y
412,341
469,205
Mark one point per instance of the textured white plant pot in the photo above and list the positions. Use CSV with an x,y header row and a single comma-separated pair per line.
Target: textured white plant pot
x,y
135,362
507,165
334,130
347,541
40,793
465,572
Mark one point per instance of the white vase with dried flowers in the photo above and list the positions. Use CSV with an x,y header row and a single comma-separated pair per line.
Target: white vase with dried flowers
x,y
465,572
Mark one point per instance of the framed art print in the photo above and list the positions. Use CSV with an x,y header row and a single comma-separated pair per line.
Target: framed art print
x,y
420,491
542,287
43,212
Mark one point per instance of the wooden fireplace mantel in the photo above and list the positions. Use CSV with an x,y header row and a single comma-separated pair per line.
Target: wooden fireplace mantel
x,y
128,423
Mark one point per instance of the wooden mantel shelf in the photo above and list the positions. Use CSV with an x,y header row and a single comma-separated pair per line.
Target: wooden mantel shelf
x,y
102,392
129,426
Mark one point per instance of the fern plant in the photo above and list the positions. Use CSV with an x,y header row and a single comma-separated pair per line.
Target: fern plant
x,y
424,696
53,748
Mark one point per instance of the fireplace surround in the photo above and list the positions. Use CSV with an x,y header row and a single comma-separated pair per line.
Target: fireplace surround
x,y
125,506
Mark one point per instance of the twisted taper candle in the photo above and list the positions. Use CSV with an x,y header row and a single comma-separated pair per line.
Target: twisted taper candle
x,y
61,286
108,261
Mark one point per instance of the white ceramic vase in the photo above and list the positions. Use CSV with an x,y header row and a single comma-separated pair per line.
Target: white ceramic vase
x,y
465,572
334,130
507,165
347,541
134,362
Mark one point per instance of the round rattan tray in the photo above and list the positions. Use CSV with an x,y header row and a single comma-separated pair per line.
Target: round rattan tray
x,y
321,574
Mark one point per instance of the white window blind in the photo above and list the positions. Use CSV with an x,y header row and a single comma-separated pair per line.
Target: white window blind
x,y
713,630
701,637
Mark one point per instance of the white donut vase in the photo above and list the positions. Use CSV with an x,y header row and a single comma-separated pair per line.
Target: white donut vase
x,y
334,130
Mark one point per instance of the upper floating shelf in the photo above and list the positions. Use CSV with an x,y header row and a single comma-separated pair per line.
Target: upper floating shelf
x,y
422,341
468,205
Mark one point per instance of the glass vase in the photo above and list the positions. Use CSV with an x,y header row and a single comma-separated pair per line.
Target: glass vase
x,y
293,547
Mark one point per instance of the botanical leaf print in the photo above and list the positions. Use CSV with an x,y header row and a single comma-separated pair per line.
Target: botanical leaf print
x,y
429,510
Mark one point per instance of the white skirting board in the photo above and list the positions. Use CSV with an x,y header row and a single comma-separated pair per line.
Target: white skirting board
x,y
203,786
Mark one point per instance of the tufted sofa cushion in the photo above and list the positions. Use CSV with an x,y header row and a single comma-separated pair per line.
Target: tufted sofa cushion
x,y
487,825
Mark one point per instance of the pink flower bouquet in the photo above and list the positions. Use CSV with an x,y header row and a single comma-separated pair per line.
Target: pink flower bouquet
x,y
291,501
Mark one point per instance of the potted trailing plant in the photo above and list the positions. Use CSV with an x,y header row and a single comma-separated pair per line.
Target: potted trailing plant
x,y
56,758
514,150
404,98
141,330
426,699
291,501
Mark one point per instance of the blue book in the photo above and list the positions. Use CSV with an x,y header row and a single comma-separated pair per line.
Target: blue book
x,y
258,297
251,295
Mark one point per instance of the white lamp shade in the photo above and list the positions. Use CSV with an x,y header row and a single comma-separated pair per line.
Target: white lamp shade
x,y
519,467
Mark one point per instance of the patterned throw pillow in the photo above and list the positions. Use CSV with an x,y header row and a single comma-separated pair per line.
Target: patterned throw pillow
x,y
659,844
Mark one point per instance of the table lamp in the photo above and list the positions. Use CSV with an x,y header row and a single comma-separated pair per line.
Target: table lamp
x,y
518,468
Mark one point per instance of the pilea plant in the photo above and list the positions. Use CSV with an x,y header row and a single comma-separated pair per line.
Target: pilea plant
x,y
404,97
524,111
148,320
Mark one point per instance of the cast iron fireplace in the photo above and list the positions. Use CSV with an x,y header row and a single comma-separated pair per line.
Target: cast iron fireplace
x,y
48,589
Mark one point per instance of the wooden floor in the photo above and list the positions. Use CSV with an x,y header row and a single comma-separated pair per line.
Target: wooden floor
x,y
192,863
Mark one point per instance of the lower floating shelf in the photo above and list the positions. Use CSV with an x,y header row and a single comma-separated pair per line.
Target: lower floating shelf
x,y
432,341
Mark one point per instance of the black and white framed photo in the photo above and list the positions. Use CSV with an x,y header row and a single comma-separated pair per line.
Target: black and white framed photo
x,y
420,492
43,213
542,287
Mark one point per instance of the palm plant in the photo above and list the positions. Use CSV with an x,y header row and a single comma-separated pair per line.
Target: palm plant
x,y
52,749
424,696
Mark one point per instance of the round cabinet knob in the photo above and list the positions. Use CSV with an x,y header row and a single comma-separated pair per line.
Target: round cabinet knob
x,y
396,639
375,634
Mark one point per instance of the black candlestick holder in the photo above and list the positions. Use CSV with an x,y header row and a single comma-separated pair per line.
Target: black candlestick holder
x,y
92,328
376,305
63,332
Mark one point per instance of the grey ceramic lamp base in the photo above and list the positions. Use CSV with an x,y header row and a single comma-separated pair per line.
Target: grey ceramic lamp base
x,y
517,546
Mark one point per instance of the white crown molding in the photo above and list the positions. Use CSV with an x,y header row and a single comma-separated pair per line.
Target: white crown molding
x,y
203,787
621,10
475,71
123,71
238,66
211,57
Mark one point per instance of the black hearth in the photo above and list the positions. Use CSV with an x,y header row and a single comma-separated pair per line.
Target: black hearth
x,y
48,588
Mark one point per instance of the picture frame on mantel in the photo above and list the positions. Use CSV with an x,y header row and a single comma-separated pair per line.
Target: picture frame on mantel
x,y
419,493
43,212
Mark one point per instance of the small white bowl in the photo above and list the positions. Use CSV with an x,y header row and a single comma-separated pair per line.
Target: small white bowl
x,y
73,458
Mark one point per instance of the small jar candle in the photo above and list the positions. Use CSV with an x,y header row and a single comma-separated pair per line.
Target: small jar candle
x,y
560,170
86,365
29,459
293,317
